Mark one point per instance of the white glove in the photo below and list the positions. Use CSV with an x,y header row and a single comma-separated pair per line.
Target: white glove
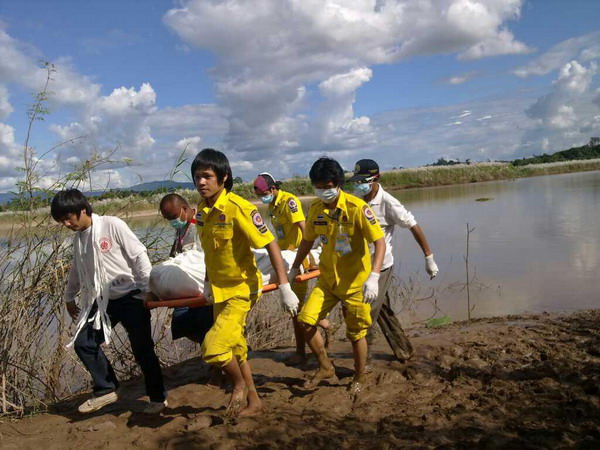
x,y
431,267
371,287
208,293
289,300
293,273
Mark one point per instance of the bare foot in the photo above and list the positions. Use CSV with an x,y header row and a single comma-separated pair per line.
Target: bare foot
x,y
255,405
237,402
318,376
358,384
295,360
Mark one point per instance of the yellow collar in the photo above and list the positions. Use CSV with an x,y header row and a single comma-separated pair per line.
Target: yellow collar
x,y
279,198
219,204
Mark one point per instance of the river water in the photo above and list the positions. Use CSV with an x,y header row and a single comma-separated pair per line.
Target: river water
x,y
535,245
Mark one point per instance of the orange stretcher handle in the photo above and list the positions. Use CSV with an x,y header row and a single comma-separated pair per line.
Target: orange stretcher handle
x,y
199,300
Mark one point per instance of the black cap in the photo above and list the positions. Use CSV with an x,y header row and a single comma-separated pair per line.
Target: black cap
x,y
364,170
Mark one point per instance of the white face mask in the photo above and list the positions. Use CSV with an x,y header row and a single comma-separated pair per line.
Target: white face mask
x,y
327,195
363,189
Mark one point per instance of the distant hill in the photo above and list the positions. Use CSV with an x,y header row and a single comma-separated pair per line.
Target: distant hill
x,y
154,185
6,197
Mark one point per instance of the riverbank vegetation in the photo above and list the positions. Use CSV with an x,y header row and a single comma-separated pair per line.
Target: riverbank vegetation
x,y
588,151
128,206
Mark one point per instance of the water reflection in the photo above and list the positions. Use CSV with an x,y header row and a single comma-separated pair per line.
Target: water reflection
x,y
535,246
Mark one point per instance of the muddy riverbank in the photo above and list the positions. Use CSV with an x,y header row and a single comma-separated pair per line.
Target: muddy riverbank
x,y
519,381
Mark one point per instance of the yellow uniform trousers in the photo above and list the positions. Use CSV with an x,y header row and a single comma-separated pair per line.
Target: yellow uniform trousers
x,y
225,339
320,302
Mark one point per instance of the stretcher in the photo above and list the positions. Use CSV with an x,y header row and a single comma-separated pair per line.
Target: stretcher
x,y
199,300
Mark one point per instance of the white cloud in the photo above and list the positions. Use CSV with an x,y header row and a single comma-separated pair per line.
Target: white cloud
x,y
118,119
557,110
271,52
460,79
176,122
583,48
501,43
9,151
18,65
545,144
457,80
335,119
463,114
189,146
241,165
5,107
575,78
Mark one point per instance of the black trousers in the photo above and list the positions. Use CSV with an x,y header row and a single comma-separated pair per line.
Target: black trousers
x,y
383,314
135,318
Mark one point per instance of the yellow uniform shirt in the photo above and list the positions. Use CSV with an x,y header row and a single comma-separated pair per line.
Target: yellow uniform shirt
x,y
227,232
345,233
285,212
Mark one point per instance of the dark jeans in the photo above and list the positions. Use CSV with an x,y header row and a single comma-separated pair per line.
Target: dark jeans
x,y
135,318
192,323
383,314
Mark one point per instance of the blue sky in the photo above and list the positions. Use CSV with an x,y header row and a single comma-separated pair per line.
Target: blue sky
x,y
277,83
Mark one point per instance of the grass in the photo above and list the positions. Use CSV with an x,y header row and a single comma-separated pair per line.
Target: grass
x,y
473,173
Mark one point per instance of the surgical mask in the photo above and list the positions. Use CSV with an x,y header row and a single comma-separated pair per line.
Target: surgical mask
x,y
362,189
178,223
327,195
267,198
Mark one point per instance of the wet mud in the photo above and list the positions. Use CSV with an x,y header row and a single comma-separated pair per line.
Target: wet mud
x,y
511,382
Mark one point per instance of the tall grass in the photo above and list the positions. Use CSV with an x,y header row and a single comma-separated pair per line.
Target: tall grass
x,y
472,173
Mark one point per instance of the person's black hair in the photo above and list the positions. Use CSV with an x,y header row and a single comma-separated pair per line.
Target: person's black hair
x,y
69,201
216,161
327,169
173,198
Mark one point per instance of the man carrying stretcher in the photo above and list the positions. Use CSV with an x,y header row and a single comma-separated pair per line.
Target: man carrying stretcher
x,y
345,225
229,227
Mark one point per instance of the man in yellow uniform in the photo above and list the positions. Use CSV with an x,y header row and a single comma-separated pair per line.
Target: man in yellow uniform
x,y
287,218
229,227
346,225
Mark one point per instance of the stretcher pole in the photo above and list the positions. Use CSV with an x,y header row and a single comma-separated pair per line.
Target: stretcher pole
x,y
199,300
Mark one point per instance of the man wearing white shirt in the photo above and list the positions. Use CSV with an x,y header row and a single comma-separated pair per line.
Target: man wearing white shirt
x,y
192,323
390,212
109,275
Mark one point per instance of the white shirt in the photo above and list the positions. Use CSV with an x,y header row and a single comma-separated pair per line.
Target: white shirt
x,y
124,257
390,212
187,238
